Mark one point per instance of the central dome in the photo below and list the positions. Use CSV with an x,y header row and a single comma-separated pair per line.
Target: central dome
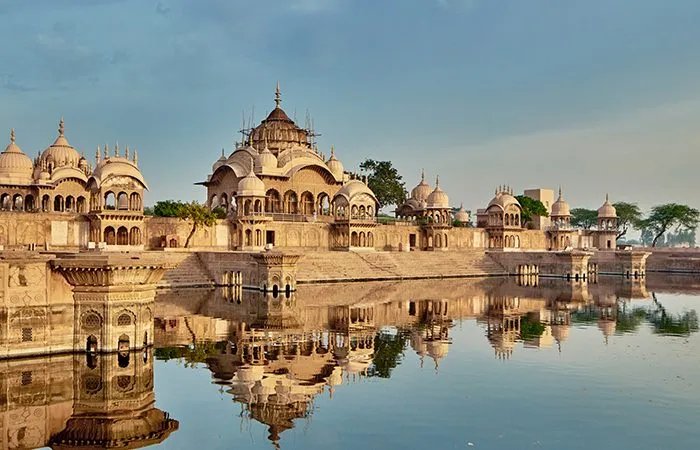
x,y
278,130
560,208
438,198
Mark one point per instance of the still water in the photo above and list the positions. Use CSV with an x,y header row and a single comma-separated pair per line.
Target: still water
x,y
484,364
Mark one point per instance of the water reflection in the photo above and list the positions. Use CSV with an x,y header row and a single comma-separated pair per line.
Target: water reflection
x,y
275,355
81,401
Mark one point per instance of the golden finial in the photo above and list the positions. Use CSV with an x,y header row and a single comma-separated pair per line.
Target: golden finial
x,y
12,135
61,127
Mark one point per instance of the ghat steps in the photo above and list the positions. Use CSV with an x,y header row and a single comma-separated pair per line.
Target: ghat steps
x,y
184,270
362,266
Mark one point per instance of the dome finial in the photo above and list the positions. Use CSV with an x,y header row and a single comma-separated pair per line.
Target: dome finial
x,y
437,181
332,151
278,95
422,175
61,127
12,135
116,150
607,199
106,151
222,152
136,158
126,152
97,155
560,191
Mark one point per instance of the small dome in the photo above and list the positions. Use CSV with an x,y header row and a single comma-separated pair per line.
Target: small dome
x,y
560,208
61,152
504,198
219,162
607,327
461,215
15,166
251,185
560,332
354,188
267,160
422,190
438,198
607,211
438,349
335,166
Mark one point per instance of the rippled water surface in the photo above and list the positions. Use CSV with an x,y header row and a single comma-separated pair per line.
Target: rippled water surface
x,y
480,363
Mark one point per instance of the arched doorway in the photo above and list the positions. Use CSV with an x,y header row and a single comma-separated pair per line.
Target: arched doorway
x,y
110,236
122,236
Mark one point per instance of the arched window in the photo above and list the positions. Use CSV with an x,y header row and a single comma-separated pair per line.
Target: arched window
x,y
110,200
58,205
80,205
124,320
258,206
45,203
291,202
18,203
123,201
323,204
272,201
307,203
70,204
354,241
29,203
135,202
6,202
135,236
110,236
122,236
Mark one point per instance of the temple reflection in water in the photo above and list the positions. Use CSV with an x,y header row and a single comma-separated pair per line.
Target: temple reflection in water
x,y
81,401
275,354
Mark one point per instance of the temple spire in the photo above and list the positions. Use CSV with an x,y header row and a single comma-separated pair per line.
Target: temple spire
x,y
278,95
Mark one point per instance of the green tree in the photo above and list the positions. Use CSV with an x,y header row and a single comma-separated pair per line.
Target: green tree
x,y
531,208
583,218
198,214
388,353
664,217
628,216
385,182
167,208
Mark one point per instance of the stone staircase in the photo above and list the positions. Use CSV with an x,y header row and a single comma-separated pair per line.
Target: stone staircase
x,y
362,266
184,270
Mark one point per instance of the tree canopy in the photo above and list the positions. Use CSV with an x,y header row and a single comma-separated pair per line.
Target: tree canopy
x,y
670,215
531,208
385,182
167,208
628,216
584,218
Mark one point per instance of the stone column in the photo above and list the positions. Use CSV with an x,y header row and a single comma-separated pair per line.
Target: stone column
x,y
113,300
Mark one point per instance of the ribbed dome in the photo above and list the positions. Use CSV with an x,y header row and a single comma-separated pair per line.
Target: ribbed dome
x,y
607,210
560,208
461,215
438,198
251,185
15,166
422,190
503,199
335,166
61,152
267,160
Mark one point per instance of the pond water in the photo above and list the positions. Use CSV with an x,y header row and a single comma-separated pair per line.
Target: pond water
x,y
484,364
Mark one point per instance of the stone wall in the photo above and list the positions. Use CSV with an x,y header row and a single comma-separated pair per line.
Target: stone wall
x,y
674,260
45,230
216,236
36,308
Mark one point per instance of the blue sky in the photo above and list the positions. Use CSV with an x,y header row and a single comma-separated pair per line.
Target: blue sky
x,y
597,95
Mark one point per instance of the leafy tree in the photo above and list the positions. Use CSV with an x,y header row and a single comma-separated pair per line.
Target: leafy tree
x,y
628,216
385,182
167,208
531,208
584,218
664,217
530,328
148,211
198,214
